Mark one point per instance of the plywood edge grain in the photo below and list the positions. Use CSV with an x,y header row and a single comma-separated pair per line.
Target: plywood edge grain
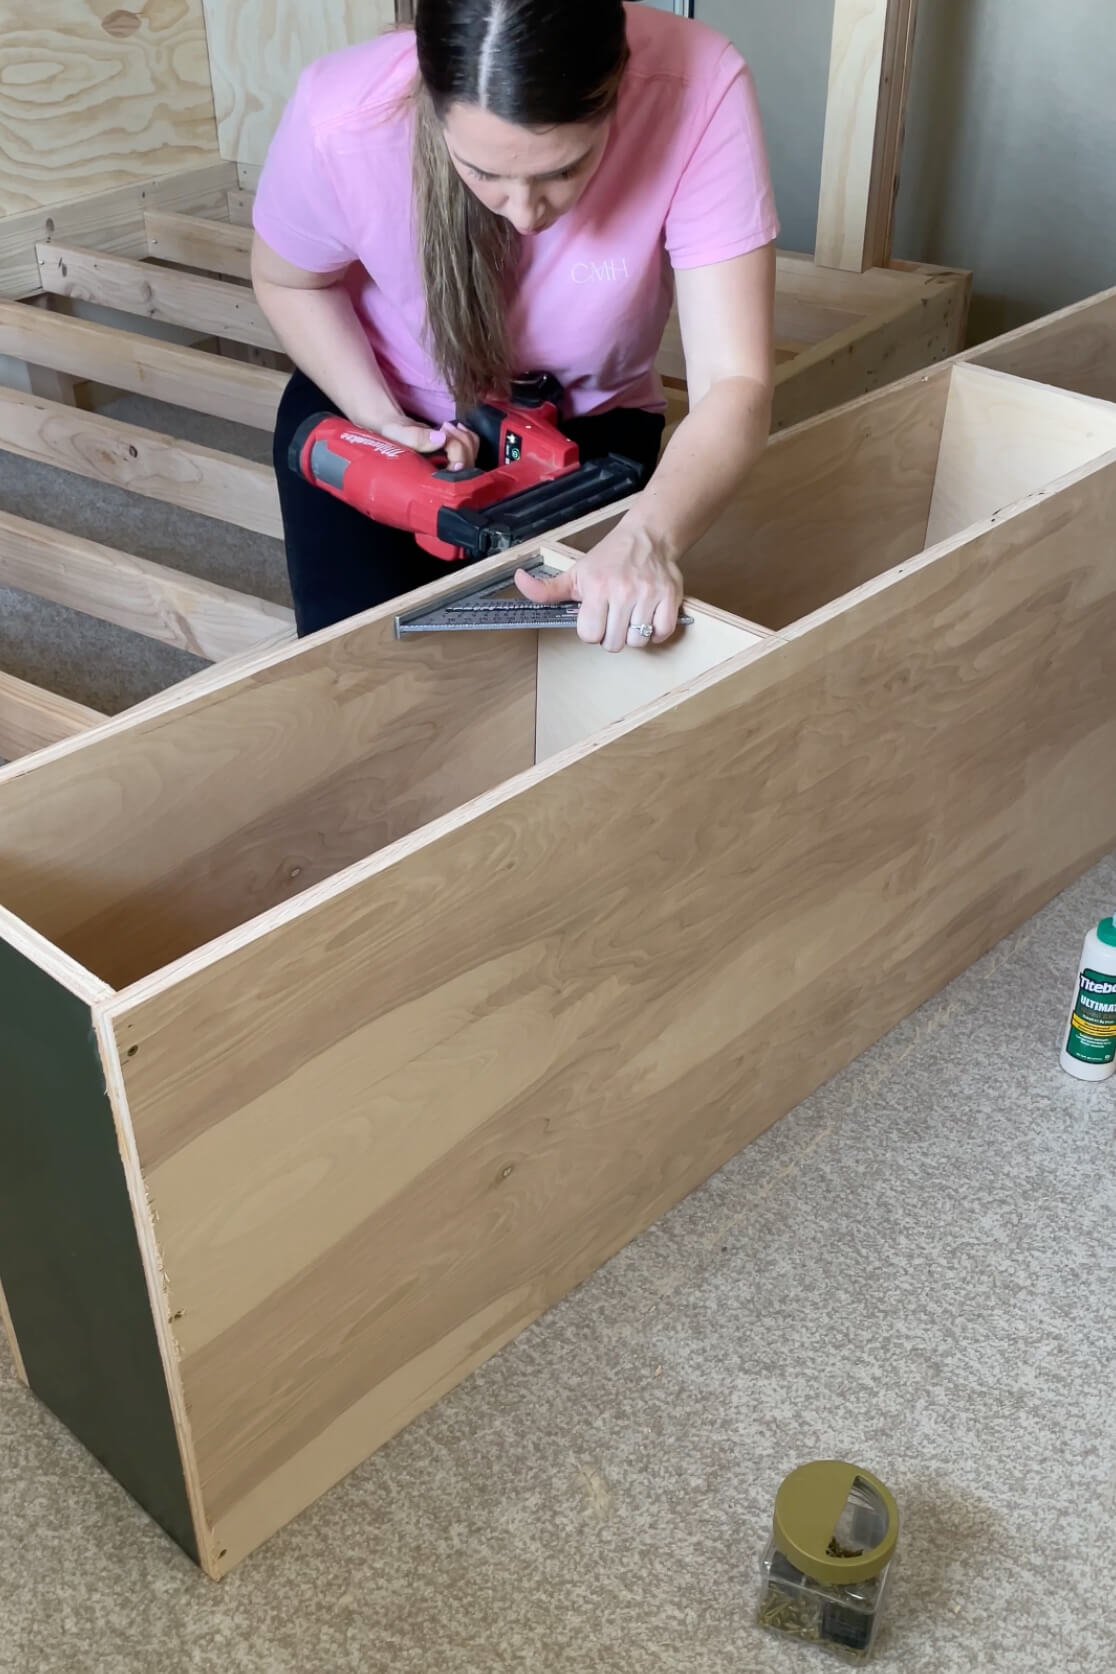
x,y
12,1341
110,220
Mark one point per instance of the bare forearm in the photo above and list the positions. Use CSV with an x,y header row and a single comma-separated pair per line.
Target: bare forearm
x,y
708,457
320,331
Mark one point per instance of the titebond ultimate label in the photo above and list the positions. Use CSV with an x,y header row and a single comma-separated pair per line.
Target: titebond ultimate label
x,y
1092,1035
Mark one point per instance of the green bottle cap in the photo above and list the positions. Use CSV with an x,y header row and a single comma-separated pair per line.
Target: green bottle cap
x,y
808,1514
1106,930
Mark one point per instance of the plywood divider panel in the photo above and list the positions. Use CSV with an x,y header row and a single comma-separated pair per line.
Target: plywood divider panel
x,y
181,473
1004,439
164,604
389,1235
97,98
1074,349
212,307
829,504
126,360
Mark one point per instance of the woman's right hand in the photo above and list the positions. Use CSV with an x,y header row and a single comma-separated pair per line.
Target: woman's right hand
x,y
460,444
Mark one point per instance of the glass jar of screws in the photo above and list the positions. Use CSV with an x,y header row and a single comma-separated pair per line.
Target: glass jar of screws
x,y
826,1565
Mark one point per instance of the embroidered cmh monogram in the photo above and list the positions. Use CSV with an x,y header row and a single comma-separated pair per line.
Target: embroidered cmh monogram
x,y
600,273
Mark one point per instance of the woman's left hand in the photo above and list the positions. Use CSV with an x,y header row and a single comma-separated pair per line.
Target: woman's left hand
x,y
629,588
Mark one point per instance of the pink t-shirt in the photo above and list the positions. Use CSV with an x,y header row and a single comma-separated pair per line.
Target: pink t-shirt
x,y
684,183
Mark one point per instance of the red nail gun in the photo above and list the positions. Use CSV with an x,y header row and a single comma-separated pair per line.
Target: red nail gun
x,y
528,479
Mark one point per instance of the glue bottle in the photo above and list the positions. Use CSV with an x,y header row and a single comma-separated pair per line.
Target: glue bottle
x,y
1089,1051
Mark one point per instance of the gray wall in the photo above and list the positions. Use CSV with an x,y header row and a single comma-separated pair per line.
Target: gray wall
x,y
1010,162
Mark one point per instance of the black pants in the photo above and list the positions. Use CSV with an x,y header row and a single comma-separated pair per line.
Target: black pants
x,y
341,562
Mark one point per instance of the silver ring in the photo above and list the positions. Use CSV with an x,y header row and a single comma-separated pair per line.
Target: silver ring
x,y
644,629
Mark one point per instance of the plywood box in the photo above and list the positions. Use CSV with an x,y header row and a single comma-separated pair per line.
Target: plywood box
x,y
360,1004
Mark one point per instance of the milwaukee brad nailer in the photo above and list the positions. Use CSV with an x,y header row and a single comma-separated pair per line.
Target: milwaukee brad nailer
x,y
528,479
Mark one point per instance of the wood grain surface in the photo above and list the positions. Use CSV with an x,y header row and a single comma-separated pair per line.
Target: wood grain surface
x,y
195,241
129,360
421,1105
113,220
96,96
168,605
353,744
831,503
31,717
257,49
212,307
181,473
1074,349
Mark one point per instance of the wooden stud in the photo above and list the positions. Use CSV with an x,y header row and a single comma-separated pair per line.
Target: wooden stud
x,y
214,246
32,718
127,456
127,360
112,220
196,616
869,75
212,307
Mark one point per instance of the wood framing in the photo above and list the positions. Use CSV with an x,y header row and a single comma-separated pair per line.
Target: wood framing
x,y
869,74
329,1177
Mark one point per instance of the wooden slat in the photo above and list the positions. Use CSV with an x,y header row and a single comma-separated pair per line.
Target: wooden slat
x,y
869,73
127,456
197,616
361,1192
214,246
126,360
31,718
110,220
212,307
97,98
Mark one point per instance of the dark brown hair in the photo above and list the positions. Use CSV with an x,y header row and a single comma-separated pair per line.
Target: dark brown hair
x,y
539,64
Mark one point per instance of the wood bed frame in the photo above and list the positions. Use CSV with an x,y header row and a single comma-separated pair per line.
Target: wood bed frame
x,y
359,1002
175,249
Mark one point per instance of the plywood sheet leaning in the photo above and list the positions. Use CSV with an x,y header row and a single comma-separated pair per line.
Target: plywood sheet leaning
x,y
257,49
97,96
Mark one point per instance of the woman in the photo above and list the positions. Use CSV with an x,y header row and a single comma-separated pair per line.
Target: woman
x,y
507,189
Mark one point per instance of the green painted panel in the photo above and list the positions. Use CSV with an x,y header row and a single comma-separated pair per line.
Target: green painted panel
x,y
69,1257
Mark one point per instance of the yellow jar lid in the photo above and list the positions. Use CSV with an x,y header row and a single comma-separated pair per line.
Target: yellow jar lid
x,y
808,1509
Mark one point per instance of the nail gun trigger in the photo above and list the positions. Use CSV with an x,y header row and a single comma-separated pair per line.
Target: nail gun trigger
x,y
465,474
